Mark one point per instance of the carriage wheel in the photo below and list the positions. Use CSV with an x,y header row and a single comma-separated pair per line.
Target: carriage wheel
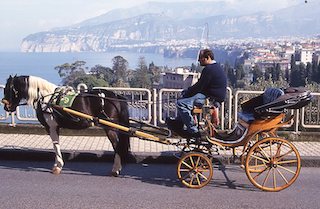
x,y
273,164
194,170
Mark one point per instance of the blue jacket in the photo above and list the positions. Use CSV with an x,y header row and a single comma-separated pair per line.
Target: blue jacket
x,y
212,83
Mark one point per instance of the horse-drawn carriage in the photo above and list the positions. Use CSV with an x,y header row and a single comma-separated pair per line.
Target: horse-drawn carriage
x,y
271,163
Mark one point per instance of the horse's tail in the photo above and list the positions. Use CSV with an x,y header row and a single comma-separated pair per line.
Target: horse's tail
x,y
124,143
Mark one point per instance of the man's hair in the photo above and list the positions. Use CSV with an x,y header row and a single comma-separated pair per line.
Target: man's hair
x,y
206,53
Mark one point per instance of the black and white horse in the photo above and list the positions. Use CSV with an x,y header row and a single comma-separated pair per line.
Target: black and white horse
x,y
103,104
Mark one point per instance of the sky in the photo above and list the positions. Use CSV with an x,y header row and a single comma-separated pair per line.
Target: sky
x,y
19,18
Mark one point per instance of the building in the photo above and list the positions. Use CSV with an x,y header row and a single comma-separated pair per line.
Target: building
x,y
180,78
306,55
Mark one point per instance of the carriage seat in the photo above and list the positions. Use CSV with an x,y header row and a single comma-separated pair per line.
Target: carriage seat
x,y
246,117
269,95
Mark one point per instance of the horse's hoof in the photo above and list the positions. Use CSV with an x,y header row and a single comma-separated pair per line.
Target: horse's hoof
x,y
115,173
56,170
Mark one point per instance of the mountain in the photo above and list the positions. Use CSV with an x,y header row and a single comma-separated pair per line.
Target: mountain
x,y
175,10
113,32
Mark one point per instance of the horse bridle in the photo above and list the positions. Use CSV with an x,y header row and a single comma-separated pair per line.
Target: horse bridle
x,y
14,94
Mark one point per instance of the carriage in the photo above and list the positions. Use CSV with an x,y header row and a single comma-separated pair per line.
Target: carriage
x,y
271,162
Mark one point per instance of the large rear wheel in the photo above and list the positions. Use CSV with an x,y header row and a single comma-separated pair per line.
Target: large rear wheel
x,y
194,170
273,164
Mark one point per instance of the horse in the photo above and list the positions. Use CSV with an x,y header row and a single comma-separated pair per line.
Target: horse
x,y
99,103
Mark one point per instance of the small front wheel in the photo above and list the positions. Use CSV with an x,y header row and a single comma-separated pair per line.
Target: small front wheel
x,y
273,164
195,170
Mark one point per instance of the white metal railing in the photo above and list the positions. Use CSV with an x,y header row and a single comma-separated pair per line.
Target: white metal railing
x,y
310,114
153,107
139,101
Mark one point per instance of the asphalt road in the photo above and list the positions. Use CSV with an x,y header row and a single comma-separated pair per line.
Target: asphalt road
x,y
26,184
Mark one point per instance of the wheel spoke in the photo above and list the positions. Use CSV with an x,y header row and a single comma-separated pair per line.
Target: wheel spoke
x,y
284,178
266,178
191,180
286,162
260,173
278,149
287,169
203,176
282,156
203,169
198,180
184,170
264,153
191,160
259,158
184,163
274,178
197,163
257,166
186,176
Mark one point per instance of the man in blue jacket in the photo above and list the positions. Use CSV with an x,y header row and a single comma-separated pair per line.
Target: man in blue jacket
x,y
212,84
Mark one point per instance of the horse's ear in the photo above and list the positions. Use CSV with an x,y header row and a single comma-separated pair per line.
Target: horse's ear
x,y
10,77
15,75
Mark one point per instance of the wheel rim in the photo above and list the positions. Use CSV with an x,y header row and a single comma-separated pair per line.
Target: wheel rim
x,y
273,164
194,170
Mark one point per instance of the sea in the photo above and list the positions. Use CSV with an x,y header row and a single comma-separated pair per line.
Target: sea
x,y
43,64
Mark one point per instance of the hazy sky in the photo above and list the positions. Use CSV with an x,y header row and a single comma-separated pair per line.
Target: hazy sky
x,y
19,18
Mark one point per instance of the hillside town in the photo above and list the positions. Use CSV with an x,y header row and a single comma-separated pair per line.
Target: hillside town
x,y
262,54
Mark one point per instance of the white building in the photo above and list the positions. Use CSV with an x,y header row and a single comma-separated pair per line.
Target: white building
x,y
306,55
178,79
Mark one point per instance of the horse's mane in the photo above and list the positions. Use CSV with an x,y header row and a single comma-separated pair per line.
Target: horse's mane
x,y
39,87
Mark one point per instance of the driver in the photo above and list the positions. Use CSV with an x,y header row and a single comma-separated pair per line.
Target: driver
x,y
212,84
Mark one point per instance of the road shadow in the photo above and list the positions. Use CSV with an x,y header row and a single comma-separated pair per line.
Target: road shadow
x,y
155,173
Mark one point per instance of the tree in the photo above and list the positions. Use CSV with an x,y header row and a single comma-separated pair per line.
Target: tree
x,y
105,73
309,72
230,74
277,73
298,75
142,76
193,67
257,73
70,72
120,70
315,72
239,76
91,81
156,73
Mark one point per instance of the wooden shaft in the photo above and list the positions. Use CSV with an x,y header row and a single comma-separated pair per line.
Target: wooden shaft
x,y
110,124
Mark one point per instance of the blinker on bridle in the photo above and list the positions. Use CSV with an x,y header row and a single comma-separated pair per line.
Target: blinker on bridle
x,y
15,92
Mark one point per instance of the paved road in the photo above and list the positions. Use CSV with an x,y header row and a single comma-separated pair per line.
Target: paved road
x,y
26,184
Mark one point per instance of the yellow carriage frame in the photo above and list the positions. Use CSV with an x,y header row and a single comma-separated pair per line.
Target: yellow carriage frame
x,y
271,163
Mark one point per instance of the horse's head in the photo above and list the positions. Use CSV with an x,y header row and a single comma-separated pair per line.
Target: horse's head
x,y
13,94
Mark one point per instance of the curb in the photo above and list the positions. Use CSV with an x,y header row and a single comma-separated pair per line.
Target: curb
x,y
107,156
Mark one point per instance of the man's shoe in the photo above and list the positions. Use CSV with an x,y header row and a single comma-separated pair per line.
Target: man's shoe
x,y
174,125
195,135
198,134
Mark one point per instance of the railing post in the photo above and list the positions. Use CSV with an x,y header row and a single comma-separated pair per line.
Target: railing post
x,y
296,127
154,102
